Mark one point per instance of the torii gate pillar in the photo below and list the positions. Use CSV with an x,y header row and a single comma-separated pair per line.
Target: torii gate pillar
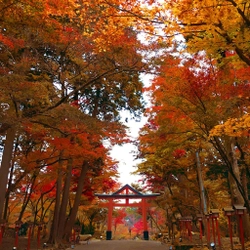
x,y
144,219
109,227
126,193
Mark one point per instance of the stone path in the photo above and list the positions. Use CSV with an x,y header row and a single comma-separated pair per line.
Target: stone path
x,y
122,245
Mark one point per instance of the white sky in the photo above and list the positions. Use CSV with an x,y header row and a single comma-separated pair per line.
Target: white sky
x,y
125,155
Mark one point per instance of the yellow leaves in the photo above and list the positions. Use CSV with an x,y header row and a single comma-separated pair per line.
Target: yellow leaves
x,y
233,127
197,17
60,8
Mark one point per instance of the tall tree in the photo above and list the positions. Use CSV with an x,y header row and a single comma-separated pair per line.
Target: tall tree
x,y
189,99
65,67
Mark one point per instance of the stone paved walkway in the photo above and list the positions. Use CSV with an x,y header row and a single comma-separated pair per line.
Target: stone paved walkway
x,y
122,245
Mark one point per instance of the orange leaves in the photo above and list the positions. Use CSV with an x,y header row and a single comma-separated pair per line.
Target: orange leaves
x,y
242,74
234,127
60,8
65,85
82,146
189,101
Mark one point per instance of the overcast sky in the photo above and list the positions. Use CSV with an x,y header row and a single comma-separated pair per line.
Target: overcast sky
x,y
125,155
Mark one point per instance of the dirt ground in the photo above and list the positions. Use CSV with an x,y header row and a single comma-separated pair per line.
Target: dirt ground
x,y
9,242
122,245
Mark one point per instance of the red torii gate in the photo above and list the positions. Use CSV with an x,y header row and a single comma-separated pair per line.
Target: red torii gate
x,y
125,193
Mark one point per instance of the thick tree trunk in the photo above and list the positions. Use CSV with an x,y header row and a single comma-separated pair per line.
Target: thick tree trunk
x,y
65,199
54,227
5,166
234,177
77,200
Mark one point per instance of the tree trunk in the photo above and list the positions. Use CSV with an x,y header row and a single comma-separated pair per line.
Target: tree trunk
x,y
54,227
244,180
10,188
234,180
26,200
65,199
5,166
234,177
77,200
7,195
238,196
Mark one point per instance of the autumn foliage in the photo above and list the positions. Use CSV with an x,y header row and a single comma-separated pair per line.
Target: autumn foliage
x,y
201,109
67,70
